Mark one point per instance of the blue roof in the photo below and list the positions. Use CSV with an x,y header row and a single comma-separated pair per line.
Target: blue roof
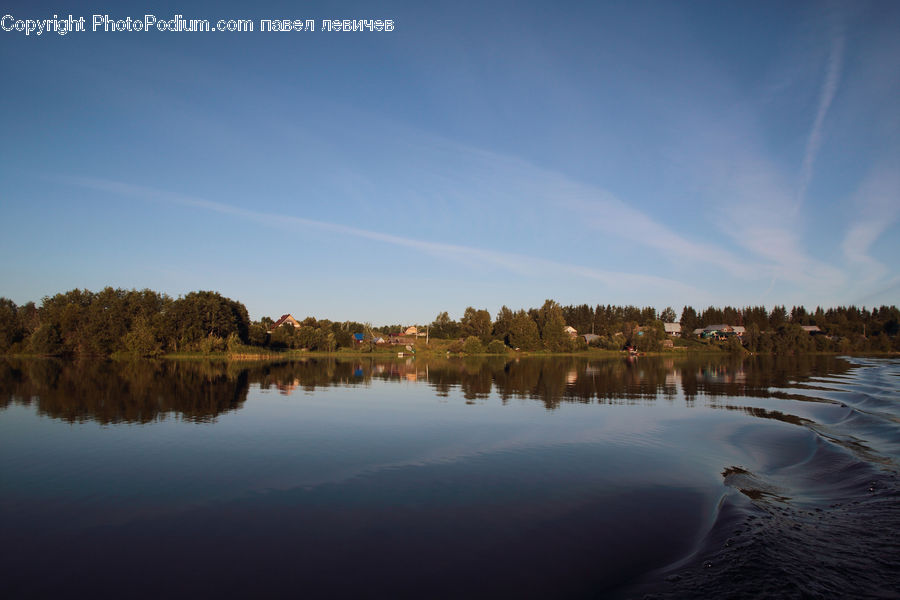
x,y
358,337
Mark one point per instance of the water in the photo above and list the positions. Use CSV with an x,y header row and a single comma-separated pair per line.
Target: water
x,y
562,477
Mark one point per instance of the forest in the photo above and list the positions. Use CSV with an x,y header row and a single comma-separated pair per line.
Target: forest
x,y
147,323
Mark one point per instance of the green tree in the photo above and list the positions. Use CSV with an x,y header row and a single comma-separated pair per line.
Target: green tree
x,y
472,345
689,321
523,332
11,330
667,315
496,347
443,327
141,339
46,340
554,336
502,324
476,323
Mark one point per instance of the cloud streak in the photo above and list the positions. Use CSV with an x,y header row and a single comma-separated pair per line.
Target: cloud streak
x,y
519,264
826,95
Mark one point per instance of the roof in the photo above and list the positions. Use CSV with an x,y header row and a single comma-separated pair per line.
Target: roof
x,y
739,329
590,337
810,328
358,337
717,327
285,319
672,327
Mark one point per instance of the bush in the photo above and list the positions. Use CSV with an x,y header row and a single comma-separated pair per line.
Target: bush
x,y
496,347
472,345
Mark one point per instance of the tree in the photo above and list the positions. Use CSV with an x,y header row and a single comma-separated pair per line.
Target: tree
x,y
554,334
689,321
141,339
523,332
777,317
46,340
496,347
472,345
11,330
668,315
444,327
476,323
502,324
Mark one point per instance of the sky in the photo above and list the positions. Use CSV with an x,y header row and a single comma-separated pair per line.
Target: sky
x,y
479,154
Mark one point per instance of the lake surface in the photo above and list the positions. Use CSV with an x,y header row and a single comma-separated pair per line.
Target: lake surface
x,y
706,477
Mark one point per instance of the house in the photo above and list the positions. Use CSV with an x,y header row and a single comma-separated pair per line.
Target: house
x,y
284,320
812,329
570,331
412,330
697,332
591,338
672,328
719,331
400,338
359,337
739,330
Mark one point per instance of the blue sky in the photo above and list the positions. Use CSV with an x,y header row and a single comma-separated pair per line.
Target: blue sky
x,y
481,154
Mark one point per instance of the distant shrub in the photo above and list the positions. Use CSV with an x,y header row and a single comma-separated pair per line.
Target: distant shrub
x,y
496,347
472,345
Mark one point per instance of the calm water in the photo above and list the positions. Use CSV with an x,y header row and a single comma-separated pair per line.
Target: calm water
x,y
532,478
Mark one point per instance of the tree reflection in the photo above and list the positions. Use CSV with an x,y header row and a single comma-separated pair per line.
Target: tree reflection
x,y
131,392
145,391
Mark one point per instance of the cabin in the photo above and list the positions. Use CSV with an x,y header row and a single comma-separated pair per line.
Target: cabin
x,y
812,329
284,320
590,338
571,331
358,338
400,338
672,328
719,331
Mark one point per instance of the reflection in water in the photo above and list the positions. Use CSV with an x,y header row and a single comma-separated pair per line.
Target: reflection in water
x,y
129,392
145,391
566,477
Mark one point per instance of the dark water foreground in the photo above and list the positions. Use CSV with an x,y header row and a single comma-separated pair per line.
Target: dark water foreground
x,y
534,478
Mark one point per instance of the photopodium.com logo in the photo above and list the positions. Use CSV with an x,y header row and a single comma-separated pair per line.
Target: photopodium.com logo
x,y
107,24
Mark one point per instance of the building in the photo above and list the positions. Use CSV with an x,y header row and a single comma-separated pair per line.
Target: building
x,y
812,329
719,331
673,328
590,337
284,320
571,331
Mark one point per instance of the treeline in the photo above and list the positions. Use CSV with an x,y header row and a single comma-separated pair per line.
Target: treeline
x,y
842,329
147,323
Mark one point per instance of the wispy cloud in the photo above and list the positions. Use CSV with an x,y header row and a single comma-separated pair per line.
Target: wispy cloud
x,y
876,207
826,95
519,264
